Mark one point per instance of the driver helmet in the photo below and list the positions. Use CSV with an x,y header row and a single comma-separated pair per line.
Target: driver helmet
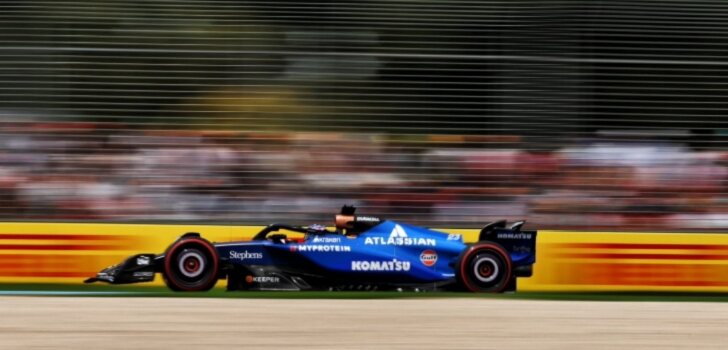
x,y
317,227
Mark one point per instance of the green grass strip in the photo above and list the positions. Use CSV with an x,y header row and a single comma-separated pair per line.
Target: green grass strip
x,y
101,290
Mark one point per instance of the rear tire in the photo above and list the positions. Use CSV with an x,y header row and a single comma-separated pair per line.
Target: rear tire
x,y
191,265
485,268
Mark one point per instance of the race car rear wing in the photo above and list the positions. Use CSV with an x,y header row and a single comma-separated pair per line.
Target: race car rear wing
x,y
521,244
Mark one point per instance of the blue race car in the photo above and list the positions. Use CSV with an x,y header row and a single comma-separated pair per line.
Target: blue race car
x,y
363,253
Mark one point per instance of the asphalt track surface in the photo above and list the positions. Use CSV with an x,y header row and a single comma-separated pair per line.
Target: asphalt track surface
x,y
33,322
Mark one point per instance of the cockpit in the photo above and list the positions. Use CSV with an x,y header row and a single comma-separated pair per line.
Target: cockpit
x,y
346,223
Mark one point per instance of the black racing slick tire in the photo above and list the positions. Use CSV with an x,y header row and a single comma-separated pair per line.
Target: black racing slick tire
x,y
191,265
485,268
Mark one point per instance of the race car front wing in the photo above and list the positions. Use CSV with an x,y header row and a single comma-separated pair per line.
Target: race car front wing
x,y
137,268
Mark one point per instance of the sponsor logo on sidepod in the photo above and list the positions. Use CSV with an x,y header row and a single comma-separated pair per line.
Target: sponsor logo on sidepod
x,y
391,265
245,255
428,257
398,236
321,248
318,239
261,279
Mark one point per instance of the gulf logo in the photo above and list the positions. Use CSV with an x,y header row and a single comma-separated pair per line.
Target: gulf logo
x,y
428,257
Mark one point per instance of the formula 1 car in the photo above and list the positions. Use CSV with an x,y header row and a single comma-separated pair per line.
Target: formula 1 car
x,y
363,253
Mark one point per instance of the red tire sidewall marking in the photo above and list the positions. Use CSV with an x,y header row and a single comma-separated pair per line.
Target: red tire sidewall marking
x,y
174,247
477,248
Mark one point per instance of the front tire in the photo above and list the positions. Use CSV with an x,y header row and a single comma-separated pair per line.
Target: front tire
x,y
485,268
191,265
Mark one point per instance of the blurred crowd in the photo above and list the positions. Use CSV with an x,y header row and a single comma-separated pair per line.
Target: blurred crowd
x,y
76,171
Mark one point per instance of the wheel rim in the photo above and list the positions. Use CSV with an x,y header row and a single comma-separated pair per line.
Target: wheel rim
x,y
191,264
486,269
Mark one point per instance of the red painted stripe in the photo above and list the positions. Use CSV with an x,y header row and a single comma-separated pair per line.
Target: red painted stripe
x,y
60,247
20,265
720,247
649,274
61,236
33,257
658,283
79,274
658,256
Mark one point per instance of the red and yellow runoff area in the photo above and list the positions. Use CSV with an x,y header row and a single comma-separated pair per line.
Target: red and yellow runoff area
x,y
68,253
617,261
566,260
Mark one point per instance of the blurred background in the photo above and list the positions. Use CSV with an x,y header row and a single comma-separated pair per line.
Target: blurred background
x,y
604,115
